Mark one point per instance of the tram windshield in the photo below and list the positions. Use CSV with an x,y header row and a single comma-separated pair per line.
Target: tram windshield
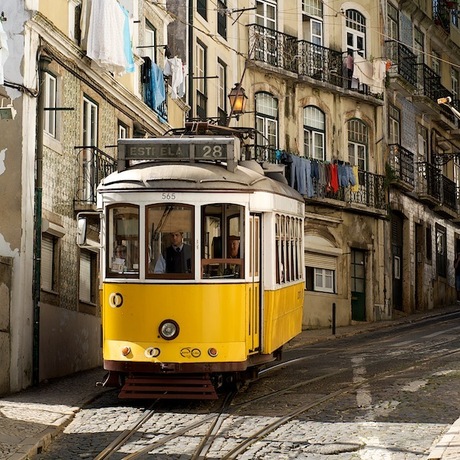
x,y
222,241
170,239
123,240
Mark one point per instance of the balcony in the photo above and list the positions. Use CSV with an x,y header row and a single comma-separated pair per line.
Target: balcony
x,y
274,48
403,73
429,183
302,58
321,63
401,162
93,165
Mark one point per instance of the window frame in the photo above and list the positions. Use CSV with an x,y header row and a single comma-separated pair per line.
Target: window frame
x,y
441,250
50,122
314,132
200,82
90,288
222,18
267,123
358,143
356,32
52,258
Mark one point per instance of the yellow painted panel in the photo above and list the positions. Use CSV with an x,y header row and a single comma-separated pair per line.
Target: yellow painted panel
x,y
207,315
57,11
283,311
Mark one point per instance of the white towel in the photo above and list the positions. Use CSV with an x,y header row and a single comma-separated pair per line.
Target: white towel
x,y
105,36
175,68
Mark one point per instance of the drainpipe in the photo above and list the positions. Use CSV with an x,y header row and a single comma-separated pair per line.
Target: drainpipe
x,y
43,62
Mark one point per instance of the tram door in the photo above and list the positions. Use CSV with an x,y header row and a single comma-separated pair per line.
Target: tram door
x,y
254,288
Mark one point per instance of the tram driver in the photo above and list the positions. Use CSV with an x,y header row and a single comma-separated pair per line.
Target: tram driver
x,y
177,258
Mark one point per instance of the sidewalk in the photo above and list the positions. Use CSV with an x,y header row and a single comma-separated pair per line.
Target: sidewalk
x,y
29,420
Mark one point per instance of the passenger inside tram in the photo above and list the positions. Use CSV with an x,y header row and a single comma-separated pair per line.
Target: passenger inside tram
x,y
177,258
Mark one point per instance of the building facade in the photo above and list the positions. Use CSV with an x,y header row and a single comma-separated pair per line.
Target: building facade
x,y
79,75
341,102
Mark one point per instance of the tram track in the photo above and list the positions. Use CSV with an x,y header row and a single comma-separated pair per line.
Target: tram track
x,y
215,420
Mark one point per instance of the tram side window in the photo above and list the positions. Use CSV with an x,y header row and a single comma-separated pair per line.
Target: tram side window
x,y
170,237
123,241
222,246
288,240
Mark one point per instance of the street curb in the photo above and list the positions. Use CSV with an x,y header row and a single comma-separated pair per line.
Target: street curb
x,y
441,446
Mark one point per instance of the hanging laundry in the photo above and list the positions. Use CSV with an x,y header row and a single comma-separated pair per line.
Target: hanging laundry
x,y
355,187
351,176
127,42
4,53
334,177
343,174
106,37
175,69
157,84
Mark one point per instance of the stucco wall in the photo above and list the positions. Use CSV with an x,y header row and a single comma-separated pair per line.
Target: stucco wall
x,y
69,342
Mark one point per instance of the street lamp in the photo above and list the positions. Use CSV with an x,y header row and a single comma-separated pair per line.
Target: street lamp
x,y
447,102
237,98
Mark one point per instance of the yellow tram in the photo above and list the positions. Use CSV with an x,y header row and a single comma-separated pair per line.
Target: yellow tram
x,y
201,266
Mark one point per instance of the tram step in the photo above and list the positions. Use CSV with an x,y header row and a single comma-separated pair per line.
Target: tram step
x,y
168,387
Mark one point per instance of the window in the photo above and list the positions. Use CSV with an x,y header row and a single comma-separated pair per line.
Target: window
x,y
150,40
266,125
454,82
357,144
419,45
222,18
88,277
122,130
170,241
422,145
313,8
222,247
314,133
266,43
429,243
74,20
394,121
288,262
200,80
454,17
441,251
201,8
123,241
356,32
49,263
222,90
393,22
90,135
436,62
50,120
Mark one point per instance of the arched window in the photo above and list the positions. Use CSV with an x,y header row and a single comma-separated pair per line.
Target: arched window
x,y
266,125
314,133
356,32
358,144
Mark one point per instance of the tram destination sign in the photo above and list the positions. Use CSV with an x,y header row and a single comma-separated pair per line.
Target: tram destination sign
x,y
215,148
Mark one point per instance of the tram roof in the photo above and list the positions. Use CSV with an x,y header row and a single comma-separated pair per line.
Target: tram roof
x,y
248,176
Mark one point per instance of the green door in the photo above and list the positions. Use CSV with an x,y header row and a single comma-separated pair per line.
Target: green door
x,y
358,285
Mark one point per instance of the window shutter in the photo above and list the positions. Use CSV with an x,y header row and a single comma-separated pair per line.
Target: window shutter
x,y
85,277
47,263
320,261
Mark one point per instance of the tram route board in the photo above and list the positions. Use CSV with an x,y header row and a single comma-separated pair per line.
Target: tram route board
x,y
218,149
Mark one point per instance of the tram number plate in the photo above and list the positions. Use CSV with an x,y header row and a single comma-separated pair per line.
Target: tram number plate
x,y
211,152
176,151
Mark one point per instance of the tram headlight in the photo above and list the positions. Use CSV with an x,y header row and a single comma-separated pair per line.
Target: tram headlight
x,y
169,329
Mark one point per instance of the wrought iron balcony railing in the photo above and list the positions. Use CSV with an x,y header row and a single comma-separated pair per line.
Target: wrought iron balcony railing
x,y
429,83
403,60
321,63
401,162
275,48
93,165
429,180
449,193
